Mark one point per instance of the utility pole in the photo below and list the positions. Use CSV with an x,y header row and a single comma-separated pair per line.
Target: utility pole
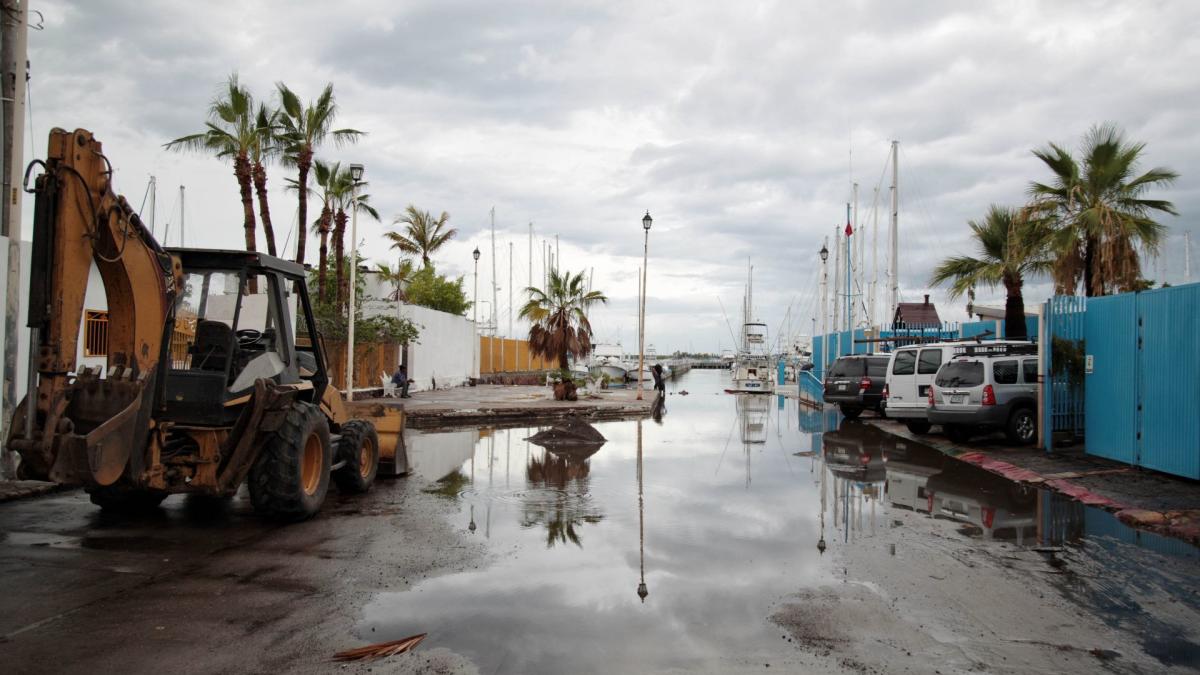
x,y
494,272
510,289
153,203
894,234
181,212
1187,256
14,73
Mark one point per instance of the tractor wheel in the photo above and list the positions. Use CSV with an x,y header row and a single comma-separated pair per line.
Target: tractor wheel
x,y
125,500
290,476
359,449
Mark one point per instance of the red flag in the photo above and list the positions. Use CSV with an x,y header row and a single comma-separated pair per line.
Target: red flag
x,y
849,230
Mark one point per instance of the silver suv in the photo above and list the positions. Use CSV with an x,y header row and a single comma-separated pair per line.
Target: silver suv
x,y
985,387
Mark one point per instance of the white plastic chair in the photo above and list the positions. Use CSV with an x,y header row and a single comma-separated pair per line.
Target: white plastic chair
x,y
389,388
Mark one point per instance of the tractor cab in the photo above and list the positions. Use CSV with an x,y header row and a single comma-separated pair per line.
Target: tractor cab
x,y
240,317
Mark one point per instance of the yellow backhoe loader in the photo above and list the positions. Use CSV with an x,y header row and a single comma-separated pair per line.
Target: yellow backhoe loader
x,y
216,373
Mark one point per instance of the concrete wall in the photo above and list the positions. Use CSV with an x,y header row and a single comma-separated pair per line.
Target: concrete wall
x,y
14,370
447,352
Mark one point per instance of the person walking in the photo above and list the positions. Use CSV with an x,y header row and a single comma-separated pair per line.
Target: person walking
x,y
400,379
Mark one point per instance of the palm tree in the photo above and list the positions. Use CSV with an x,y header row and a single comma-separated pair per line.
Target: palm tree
x,y
1010,249
398,278
1098,211
302,129
423,235
266,146
326,177
559,316
343,201
231,132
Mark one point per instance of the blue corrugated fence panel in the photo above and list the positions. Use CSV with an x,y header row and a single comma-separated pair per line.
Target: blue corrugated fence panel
x,y
1110,391
1169,323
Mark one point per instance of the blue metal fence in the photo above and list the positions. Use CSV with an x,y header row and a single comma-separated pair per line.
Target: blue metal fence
x,y
1168,431
1063,388
1140,365
1110,397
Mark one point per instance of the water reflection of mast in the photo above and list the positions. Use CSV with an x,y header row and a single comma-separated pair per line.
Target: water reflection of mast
x,y
821,541
642,591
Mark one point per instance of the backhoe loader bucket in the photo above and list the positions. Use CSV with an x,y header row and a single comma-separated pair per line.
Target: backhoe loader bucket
x,y
389,425
94,426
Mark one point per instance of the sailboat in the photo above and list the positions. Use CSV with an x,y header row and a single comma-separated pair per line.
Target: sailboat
x,y
752,367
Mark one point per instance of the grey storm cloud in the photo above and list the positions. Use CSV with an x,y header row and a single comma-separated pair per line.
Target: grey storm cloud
x,y
739,126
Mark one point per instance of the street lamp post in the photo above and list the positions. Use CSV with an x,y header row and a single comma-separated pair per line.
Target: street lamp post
x,y
475,311
824,309
356,174
646,222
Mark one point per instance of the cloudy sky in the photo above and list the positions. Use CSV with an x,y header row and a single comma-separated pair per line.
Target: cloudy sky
x,y
740,126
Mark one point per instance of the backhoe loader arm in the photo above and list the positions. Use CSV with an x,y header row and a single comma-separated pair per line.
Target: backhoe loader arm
x,y
87,429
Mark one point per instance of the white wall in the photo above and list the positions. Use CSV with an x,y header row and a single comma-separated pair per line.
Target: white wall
x,y
448,346
96,299
20,275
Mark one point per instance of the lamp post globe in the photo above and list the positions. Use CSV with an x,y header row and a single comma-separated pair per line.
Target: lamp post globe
x,y
824,254
647,221
356,172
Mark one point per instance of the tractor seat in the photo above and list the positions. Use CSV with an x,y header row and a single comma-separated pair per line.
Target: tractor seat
x,y
210,351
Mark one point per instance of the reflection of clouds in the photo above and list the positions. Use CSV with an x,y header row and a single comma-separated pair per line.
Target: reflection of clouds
x,y
716,555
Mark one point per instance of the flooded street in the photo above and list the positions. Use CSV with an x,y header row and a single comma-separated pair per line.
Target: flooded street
x,y
732,534
695,542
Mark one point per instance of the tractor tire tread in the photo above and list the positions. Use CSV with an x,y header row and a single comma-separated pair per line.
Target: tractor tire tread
x,y
274,480
349,478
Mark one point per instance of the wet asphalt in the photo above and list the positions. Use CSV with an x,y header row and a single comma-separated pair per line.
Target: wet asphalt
x,y
732,534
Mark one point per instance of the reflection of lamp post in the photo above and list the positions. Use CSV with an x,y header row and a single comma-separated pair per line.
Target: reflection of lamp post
x,y
356,174
646,222
642,591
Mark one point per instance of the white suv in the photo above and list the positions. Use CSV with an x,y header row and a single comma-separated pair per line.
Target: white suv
x,y
909,376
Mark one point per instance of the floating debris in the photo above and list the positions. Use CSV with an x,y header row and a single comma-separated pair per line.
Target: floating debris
x,y
380,650
572,432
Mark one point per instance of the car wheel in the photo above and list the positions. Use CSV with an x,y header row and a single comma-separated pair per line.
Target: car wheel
x,y
957,433
918,426
851,412
1022,427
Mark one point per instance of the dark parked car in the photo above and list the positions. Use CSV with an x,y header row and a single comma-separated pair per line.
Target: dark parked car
x,y
855,383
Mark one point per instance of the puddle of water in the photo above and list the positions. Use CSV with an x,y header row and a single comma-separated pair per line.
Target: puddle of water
x,y
667,546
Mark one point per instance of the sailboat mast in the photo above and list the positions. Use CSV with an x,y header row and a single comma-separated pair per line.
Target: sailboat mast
x,y
493,271
893,236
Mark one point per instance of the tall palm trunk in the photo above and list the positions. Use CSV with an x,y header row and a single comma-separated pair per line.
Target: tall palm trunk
x,y
241,169
1014,308
303,164
339,241
264,209
323,263
1092,284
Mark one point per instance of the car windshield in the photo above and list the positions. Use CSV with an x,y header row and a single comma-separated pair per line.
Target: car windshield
x,y
960,374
